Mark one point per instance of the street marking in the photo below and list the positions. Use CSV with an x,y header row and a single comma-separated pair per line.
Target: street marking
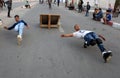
x,y
61,29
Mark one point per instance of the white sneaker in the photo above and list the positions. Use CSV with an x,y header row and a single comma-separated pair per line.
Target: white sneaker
x,y
109,51
103,53
107,56
19,39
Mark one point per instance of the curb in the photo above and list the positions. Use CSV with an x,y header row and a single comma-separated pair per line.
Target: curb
x,y
116,25
113,24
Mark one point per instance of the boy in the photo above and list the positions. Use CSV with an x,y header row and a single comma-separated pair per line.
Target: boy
x,y
18,26
91,38
107,19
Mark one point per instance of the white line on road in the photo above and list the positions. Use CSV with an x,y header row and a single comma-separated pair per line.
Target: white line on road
x,y
61,29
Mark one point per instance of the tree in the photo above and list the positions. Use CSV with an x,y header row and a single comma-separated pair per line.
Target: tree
x,y
116,8
1,3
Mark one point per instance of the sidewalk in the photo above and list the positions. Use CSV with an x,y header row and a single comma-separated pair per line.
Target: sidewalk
x,y
116,21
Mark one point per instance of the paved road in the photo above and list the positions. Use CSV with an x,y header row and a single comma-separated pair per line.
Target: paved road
x,y
44,54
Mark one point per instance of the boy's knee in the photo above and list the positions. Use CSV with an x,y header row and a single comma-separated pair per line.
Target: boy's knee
x,y
99,41
93,42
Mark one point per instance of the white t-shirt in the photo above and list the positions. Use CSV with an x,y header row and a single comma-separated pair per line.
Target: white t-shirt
x,y
81,33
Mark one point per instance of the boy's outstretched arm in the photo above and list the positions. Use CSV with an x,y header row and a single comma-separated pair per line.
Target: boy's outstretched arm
x,y
67,35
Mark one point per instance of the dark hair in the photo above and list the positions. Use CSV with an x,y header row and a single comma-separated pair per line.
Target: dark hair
x,y
16,16
96,9
100,9
108,10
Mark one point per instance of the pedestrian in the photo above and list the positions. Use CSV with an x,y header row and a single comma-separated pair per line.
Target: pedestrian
x,y
54,1
87,9
110,7
58,3
90,39
108,17
49,3
18,26
9,6
41,1
80,4
27,5
66,3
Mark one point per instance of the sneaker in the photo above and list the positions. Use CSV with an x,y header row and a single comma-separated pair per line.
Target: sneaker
x,y
19,39
85,44
107,56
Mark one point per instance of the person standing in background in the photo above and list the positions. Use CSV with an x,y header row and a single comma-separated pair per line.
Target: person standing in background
x,y
110,8
49,3
9,6
58,2
66,3
80,4
87,9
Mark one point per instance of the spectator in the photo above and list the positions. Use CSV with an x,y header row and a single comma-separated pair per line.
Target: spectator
x,y
49,3
80,4
71,6
110,8
87,9
98,14
9,6
41,1
95,13
58,3
27,5
66,3
107,19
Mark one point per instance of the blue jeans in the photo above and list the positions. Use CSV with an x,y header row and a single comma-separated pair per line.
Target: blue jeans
x,y
87,13
93,36
19,28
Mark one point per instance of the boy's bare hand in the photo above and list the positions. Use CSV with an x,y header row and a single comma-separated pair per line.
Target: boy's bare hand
x,y
5,27
62,35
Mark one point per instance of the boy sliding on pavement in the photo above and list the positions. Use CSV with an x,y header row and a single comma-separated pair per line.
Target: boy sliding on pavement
x,y
90,38
18,26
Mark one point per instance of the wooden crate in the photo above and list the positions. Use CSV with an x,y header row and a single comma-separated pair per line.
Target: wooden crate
x,y
49,20
44,20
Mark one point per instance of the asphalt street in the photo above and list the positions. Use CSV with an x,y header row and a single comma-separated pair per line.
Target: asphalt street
x,y
44,54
